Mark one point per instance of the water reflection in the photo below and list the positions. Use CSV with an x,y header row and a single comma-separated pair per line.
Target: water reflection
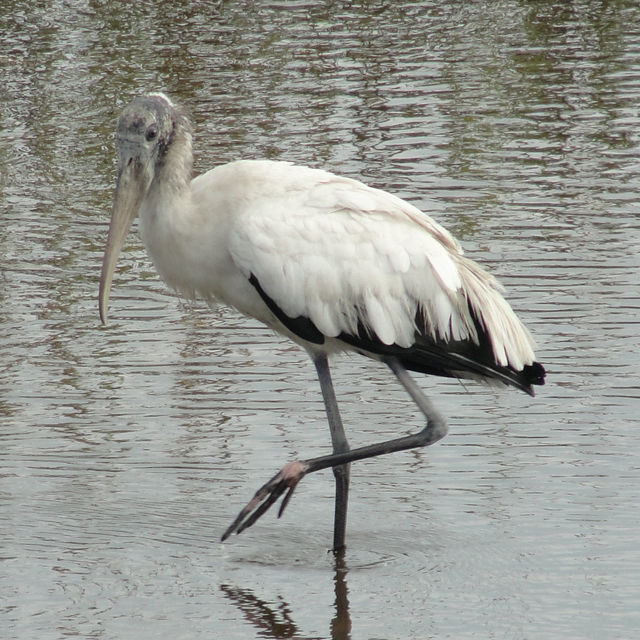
x,y
341,622
271,620
276,620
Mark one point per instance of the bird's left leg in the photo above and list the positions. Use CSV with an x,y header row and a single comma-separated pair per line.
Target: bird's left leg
x,y
288,477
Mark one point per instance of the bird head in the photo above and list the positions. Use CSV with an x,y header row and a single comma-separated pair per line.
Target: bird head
x,y
146,130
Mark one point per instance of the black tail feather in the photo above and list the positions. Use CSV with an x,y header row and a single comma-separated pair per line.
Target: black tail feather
x,y
451,360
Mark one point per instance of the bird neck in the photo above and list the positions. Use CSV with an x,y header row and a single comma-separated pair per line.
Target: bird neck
x,y
173,169
167,214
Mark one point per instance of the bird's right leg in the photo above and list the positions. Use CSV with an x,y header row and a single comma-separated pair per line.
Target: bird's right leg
x,y
340,445
286,480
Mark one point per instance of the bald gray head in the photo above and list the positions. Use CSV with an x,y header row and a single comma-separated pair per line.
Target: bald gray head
x,y
148,127
154,143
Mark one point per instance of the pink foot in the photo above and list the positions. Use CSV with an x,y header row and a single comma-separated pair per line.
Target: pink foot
x,y
285,480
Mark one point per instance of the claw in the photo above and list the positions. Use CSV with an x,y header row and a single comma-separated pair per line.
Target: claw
x,y
286,480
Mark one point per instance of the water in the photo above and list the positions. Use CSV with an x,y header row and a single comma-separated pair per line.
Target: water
x,y
125,451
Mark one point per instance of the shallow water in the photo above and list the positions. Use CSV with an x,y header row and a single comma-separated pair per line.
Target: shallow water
x,y
125,451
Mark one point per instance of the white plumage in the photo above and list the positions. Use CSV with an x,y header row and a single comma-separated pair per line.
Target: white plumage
x,y
329,249
328,261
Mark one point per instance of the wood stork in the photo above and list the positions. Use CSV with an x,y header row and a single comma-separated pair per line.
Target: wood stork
x,y
327,261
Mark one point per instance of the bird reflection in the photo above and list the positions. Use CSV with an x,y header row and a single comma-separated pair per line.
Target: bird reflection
x,y
341,623
275,620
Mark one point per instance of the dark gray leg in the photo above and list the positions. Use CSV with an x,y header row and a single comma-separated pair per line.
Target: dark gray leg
x,y
340,445
287,479
435,429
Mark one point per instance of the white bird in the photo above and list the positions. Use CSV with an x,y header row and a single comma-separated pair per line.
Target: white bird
x,y
327,261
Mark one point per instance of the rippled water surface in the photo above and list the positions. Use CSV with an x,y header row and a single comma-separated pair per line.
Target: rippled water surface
x,y
125,451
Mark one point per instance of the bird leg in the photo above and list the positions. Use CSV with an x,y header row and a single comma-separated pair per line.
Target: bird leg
x,y
340,445
285,480
290,475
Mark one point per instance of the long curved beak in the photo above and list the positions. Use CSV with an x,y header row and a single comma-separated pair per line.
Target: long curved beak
x,y
130,191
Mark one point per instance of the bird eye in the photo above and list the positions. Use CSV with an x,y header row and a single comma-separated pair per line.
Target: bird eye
x,y
151,133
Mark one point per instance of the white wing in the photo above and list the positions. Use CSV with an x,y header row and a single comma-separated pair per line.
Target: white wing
x,y
342,254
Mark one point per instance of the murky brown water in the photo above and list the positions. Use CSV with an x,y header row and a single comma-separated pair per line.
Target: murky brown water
x,y
125,451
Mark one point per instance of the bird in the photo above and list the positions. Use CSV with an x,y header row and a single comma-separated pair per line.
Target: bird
x,y
327,261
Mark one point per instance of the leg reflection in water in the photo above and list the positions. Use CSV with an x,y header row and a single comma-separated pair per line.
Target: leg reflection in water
x,y
274,618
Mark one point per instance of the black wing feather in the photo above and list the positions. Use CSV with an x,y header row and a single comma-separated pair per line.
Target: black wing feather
x,y
301,326
452,359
